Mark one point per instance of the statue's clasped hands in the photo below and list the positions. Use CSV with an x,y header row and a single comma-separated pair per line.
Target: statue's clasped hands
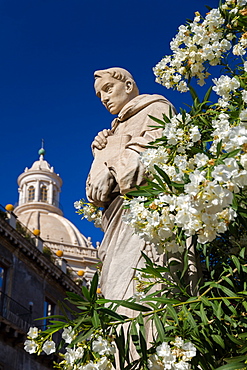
x,y
100,140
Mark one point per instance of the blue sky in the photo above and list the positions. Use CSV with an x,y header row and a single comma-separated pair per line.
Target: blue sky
x,y
49,51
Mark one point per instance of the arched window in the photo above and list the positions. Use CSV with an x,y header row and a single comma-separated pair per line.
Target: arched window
x,y
31,192
43,193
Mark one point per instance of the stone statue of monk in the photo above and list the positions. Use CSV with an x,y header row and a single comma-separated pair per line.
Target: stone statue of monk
x,y
116,169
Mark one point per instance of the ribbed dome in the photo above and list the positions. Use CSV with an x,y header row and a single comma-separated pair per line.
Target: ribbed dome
x,y
53,227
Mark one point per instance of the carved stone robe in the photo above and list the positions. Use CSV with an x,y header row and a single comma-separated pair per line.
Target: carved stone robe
x,y
120,250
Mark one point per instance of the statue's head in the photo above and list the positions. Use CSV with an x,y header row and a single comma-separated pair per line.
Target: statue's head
x,y
115,87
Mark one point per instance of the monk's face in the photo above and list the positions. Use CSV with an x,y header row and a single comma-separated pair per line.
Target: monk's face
x,y
113,93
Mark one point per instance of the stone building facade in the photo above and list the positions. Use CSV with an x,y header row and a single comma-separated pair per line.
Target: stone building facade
x,y
32,282
30,287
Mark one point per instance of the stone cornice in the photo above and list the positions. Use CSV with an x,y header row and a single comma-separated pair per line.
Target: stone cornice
x,y
37,257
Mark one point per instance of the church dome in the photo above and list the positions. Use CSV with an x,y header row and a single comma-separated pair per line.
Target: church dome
x,y
39,209
53,227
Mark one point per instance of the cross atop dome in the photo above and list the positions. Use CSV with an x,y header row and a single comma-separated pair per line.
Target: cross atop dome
x,y
41,152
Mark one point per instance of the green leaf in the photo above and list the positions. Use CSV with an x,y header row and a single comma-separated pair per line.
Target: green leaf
x,y
164,176
234,339
147,259
219,311
229,281
120,342
135,337
74,297
185,264
162,187
162,123
95,320
85,307
236,262
237,358
203,315
159,186
219,146
111,313
53,317
205,301
172,313
193,93
140,321
132,305
230,154
94,285
143,346
207,95
218,339
232,366
83,336
227,291
85,320
85,292
57,323
242,252
160,327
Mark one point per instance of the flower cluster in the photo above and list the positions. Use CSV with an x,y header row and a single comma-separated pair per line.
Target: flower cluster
x,y
95,354
197,189
175,356
89,211
33,344
200,44
225,85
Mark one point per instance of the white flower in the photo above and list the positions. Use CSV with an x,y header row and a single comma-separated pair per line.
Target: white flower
x,y
68,334
182,86
243,160
33,332
103,347
49,347
241,179
200,159
221,174
182,365
164,351
244,96
224,85
104,364
89,366
243,115
30,346
238,50
189,351
73,354
154,363
195,134
77,204
241,2
173,247
179,342
245,66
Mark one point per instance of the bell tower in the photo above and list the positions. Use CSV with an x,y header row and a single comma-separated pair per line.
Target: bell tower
x,y
39,187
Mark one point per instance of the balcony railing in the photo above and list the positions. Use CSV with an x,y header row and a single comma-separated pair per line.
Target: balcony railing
x,y
14,312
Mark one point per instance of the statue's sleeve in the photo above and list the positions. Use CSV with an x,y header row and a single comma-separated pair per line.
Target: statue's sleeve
x,y
128,169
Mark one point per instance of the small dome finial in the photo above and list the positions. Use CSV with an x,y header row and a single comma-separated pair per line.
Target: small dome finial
x,y
42,150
